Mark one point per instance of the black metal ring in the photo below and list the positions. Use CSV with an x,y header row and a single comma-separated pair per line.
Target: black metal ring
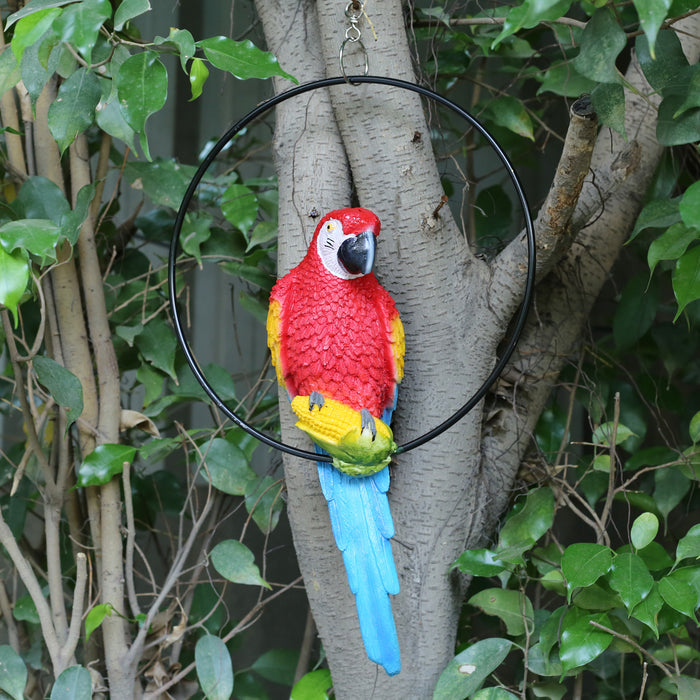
x,y
241,124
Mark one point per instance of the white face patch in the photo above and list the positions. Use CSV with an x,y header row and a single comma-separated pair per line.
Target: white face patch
x,y
329,240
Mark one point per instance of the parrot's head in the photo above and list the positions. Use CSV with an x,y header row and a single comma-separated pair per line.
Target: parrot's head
x,y
345,240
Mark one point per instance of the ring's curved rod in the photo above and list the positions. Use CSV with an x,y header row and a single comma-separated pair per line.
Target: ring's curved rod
x,y
209,159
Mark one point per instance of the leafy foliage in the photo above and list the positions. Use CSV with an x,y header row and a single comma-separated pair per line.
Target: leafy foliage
x,y
609,600
104,83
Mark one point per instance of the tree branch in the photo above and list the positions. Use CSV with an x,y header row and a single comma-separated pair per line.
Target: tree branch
x,y
33,587
605,212
552,228
71,644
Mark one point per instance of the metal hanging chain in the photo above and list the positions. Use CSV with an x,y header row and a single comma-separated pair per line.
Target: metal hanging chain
x,y
354,12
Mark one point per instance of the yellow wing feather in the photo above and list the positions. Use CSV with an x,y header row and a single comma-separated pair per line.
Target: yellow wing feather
x,y
398,345
273,337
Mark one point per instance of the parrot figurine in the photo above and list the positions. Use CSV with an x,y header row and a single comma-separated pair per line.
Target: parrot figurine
x,y
337,346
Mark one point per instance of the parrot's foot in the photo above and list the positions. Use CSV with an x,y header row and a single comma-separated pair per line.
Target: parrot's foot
x,y
316,399
367,422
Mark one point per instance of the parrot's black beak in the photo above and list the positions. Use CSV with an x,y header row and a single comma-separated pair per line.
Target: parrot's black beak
x,y
356,254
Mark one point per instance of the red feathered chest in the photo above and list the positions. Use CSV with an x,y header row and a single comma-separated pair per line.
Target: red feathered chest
x,y
335,337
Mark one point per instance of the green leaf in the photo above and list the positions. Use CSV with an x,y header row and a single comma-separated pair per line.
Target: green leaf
x,y
470,668
689,206
25,610
183,41
142,85
601,463
603,434
73,111
670,487
152,382
668,67
79,24
651,13
198,76
313,686
240,207
37,237
602,41
655,557
644,529
277,665
689,545
41,198
32,7
562,79
62,384
109,118
31,28
164,181
634,314
14,275
526,525
235,562
480,562
686,279
227,467
72,221
264,232
158,346
671,244
510,113
659,213
581,642
10,74
242,59
595,598
214,669
196,229
34,74
648,610
13,672
103,463
529,14
263,501
677,592
513,607
692,95
609,104
630,577
96,617
584,563
688,687
494,693
128,10
672,130
74,683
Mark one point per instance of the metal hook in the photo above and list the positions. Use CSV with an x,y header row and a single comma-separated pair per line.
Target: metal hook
x,y
341,57
353,11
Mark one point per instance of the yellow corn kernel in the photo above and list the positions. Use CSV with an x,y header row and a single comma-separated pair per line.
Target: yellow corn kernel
x,y
337,428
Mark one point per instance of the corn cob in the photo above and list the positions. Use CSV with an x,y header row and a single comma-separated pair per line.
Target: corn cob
x,y
337,429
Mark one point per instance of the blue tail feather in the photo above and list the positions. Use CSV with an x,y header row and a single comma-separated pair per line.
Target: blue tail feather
x,y
363,527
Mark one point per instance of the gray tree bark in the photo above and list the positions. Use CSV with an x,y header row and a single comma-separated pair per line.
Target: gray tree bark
x,y
448,494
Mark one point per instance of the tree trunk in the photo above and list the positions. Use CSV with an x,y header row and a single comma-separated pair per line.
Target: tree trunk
x,y
456,310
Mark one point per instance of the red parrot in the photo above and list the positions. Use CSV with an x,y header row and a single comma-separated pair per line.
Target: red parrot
x,y
337,345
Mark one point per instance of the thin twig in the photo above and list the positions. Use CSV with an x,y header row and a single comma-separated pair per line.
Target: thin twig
x,y
76,619
637,646
605,514
236,630
130,537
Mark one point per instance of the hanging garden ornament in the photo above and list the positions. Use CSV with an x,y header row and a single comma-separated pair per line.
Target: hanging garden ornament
x,y
337,346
